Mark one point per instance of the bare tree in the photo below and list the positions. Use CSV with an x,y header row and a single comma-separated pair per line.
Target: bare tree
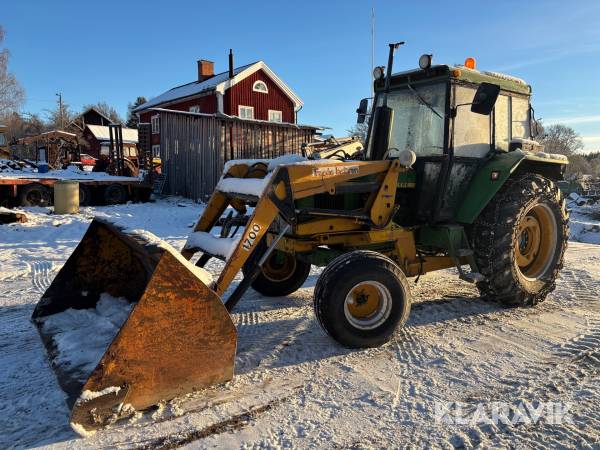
x,y
59,117
21,125
561,139
578,165
595,165
12,94
360,131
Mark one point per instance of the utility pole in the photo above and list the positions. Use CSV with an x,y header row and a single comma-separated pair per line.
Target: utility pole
x,y
60,110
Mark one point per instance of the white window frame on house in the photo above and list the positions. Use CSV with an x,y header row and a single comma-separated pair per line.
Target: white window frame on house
x,y
260,86
246,109
194,109
155,121
274,112
156,151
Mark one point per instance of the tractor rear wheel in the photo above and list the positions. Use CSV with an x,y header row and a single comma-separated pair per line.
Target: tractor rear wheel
x,y
519,241
361,298
280,275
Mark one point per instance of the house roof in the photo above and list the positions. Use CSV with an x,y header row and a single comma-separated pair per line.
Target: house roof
x,y
91,108
47,136
219,83
130,135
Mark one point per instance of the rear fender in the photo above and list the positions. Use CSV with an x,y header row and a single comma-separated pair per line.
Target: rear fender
x,y
494,174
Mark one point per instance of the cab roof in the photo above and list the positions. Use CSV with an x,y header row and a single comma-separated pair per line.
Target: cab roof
x,y
443,71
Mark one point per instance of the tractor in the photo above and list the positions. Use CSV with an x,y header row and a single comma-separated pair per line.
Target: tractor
x,y
449,178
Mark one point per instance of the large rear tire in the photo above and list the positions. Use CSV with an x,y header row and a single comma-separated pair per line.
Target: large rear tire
x,y
519,241
361,298
281,275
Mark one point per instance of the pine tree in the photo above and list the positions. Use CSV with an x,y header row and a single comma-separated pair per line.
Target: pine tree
x,y
132,119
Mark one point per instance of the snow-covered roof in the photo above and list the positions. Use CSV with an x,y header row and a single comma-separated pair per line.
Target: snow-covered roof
x,y
56,132
219,83
102,134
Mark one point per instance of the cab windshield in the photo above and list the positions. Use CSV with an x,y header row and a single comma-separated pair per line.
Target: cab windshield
x,y
2,139
418,121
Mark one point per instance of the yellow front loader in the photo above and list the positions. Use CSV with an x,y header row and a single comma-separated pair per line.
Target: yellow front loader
x,y
178,335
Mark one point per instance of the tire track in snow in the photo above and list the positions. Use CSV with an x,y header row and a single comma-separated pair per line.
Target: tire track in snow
x,y
573,364
42,275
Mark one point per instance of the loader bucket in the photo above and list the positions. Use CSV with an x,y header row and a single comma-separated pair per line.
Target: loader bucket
x,y
127,322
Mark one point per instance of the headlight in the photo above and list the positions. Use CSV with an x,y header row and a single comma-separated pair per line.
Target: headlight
x,y
378,73
425,61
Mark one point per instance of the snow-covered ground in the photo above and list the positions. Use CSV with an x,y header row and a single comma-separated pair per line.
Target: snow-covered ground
x,y
295,387
585,220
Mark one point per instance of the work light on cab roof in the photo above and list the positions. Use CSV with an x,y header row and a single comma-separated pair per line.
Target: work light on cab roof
x,y
425,61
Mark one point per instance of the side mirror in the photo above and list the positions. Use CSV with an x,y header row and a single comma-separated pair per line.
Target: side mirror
x,y
485,98
362,110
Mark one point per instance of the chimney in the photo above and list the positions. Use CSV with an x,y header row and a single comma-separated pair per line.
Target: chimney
x,y
206,70
230,64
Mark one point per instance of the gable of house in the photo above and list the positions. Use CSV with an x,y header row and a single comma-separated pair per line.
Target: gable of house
x,y
244,94
91,116
223,94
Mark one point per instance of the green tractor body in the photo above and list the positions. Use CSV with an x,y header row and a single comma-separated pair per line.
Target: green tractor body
x,y
463,158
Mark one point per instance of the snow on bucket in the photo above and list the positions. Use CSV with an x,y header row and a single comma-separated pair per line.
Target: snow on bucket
x,y
128,322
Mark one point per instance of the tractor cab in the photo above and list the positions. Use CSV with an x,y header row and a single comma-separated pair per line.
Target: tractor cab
x,y
453,119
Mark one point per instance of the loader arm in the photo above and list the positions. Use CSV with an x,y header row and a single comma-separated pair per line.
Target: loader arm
x,y
281,188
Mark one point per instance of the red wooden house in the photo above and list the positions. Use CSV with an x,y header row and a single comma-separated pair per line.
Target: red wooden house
x,y
252,91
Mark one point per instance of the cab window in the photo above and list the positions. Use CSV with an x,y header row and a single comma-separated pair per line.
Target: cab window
x,y
520,118
501,122
416,126
471,130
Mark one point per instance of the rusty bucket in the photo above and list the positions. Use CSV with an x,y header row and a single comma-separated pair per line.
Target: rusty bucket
x,y
128,322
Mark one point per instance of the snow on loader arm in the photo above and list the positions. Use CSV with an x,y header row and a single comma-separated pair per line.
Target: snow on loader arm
x,y
128,322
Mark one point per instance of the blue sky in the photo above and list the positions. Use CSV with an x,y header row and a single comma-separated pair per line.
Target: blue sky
x,y
114,51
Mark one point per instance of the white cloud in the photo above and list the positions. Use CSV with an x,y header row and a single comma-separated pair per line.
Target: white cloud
x,y
590,138
572,120
591,143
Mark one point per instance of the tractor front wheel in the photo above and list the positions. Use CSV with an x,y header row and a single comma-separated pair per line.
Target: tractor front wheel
x,y
361,298
280,275
520,240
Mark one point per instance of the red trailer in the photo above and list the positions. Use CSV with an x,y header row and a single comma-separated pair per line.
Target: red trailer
x,y
35,189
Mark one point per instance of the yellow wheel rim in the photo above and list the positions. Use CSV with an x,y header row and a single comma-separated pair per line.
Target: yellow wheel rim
x,y
536,241
368,304
279,266
365,301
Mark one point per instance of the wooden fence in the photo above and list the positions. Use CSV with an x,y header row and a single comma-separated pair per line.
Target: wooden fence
x,y
194,148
